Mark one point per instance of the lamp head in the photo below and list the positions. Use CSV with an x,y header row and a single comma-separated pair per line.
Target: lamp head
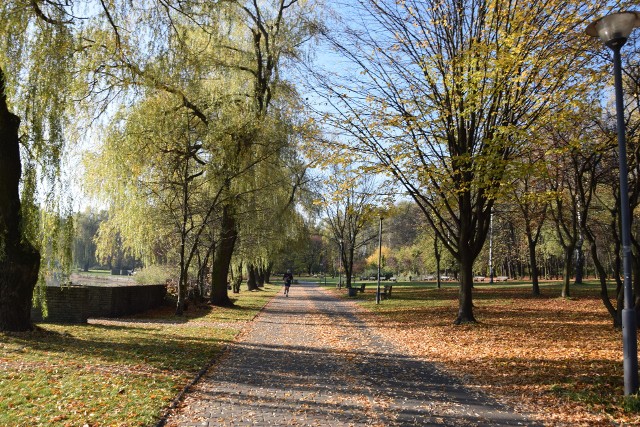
x,y
614,29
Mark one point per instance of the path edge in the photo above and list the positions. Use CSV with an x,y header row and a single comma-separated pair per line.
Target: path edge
x,y
215,360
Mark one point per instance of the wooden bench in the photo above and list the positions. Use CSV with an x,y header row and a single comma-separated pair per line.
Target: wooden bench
x,y
361,287
478,279
501,278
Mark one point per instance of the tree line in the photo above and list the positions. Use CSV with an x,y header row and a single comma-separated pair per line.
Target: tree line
x,y
474,107
487,115
198,132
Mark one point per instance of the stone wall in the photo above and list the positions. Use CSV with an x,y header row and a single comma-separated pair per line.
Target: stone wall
x,y
75,304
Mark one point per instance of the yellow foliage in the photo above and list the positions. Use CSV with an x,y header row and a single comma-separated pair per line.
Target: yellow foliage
x,y
373,258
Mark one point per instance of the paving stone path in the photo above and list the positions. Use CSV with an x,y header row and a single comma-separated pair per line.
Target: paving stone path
x,y
307,360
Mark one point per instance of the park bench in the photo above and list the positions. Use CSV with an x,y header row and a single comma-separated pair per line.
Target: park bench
x,y
361,287
478,279
501,278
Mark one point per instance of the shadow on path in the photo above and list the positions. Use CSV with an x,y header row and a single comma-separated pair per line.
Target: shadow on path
x,y
308,360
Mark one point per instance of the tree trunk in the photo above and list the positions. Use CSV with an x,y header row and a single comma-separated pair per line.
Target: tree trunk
x,y
348,266
237,278
222,259
438,255
181,303
19,260
566,271
534,267
252,284
267,272
465,306
260,276
182,281
202,274
604,292
579,262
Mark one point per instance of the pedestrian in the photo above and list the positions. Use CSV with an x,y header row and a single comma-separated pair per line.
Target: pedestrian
x,y
288,278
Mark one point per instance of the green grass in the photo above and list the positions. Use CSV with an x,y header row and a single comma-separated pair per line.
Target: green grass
x,y
113,373
409,296
99,273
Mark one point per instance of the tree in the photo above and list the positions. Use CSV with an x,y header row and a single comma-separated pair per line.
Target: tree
x,y
86,229
350,207
220,62
593,221
531,199
403,223
563,182
19,259
313,253
442,96
35,58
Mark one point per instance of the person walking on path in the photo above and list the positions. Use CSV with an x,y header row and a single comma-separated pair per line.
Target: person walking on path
x,y
288,278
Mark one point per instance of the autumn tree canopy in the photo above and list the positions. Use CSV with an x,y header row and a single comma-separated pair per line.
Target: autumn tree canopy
x,y
443,95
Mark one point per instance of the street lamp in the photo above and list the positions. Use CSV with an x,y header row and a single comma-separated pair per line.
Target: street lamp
x,y
614,30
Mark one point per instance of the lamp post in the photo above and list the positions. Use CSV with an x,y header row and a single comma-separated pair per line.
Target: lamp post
x,y
614,30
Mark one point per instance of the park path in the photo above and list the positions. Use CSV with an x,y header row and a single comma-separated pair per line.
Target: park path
x,y
308,360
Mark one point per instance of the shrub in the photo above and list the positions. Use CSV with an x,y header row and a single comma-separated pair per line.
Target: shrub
x,y
154,275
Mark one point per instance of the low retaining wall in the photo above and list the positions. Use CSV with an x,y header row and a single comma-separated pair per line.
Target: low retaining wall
x,y
75,304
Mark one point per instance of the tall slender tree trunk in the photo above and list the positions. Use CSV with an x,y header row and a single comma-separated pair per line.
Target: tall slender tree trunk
x,y
182,282
617,261
534,267
19,260
237,278
203,267
438,255
604,292
222,259
566,272
579,262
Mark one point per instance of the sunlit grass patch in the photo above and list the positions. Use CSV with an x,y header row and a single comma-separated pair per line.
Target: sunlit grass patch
x,y
120,372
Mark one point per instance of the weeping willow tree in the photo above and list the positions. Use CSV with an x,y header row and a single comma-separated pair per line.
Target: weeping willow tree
x,y
150,172
216,116
268,222
218,64
36,47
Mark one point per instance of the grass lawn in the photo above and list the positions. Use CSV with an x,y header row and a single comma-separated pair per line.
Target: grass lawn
x,y
559,359
99,273
116,372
